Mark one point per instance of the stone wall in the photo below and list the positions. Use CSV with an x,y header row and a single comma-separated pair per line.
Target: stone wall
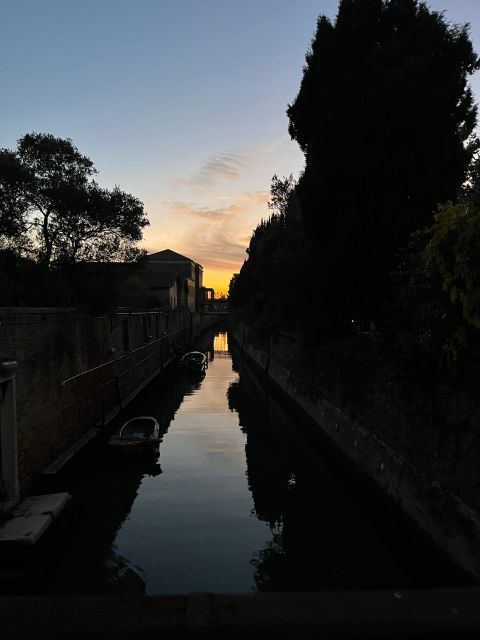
x,y
355,400
77,370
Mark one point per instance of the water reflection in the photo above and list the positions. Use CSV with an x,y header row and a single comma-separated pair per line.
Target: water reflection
x,y
268,463
235,502
324,533
79,554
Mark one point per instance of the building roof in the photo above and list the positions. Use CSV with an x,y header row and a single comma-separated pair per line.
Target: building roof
x,y
170,256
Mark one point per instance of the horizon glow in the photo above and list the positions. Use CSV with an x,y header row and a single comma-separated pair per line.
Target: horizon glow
x,y
181,104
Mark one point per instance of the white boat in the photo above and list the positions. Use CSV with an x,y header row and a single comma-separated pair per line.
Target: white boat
x,y
142,431
194,361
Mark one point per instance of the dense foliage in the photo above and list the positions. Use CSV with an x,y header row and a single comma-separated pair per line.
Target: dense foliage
x,y
454,251
385,119
275,281
53,211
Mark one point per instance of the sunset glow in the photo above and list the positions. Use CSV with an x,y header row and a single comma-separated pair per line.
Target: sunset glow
x,y
171,104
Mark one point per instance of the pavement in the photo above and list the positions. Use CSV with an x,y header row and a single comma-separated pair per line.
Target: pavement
x,y
345,615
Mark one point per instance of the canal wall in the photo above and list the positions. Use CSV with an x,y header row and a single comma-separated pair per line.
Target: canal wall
x,y
438,614
78,370
369,432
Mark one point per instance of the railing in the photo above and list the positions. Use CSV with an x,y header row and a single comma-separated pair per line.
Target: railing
x,y
94,396
123,356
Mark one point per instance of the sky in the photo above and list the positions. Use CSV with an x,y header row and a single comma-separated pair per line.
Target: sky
x,y
180,102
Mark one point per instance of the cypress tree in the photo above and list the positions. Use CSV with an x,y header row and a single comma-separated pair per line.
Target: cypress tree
x,y
384,117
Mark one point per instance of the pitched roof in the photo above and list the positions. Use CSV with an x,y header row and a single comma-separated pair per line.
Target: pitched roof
x,y
168,254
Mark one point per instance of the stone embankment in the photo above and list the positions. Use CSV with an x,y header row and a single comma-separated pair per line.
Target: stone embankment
x,y
78,370
387,429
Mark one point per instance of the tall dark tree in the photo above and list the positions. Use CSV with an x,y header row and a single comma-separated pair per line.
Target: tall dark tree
x,y
273,289
384,117
47,194
470,191
14,182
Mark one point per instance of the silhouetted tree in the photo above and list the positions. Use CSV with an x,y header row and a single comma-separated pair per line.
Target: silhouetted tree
x,y
48,195
470,191
14,182
453,251
274,284
384,117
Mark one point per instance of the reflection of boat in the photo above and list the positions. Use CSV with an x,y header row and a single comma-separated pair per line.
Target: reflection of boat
x,y
142,431
194,361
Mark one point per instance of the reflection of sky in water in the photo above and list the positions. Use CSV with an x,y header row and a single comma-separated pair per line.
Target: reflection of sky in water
x,y
220,342
191,528
238,509
235,508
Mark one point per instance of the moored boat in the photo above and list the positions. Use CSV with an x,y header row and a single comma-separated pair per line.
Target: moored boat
x,y
194,361
142,431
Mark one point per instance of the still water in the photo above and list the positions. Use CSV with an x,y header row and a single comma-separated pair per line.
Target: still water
x,y
236,502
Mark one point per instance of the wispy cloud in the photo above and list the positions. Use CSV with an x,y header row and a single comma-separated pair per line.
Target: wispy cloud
x,y
216,236
233,204
221,235
226,165
231,165
193,210
213,209
247,199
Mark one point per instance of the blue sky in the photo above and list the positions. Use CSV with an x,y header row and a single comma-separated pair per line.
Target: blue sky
x,y
180,102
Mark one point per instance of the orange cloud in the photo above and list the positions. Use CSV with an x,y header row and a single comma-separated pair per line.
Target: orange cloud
x,y
216,237
207,222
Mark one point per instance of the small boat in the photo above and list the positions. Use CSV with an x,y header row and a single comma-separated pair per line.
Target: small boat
x,y
194,361
140,432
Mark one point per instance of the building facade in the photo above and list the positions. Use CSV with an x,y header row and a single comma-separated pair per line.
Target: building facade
x,y
189,286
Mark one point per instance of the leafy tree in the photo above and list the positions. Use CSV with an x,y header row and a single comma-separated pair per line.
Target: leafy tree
x,y
454,251
47,192
436,309
384,117
470,191
97,224
281,194
274,284
14,181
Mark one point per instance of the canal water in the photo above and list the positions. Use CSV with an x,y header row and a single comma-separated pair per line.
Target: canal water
x,y
237,501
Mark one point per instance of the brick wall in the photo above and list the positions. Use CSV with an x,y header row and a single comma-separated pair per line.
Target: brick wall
x,y
75,369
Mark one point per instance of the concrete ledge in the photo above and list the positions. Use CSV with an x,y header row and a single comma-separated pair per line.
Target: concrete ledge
x,y
51,504
31,519
24,530
433,614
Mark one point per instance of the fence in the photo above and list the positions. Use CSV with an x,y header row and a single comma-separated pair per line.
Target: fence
x,y
93,397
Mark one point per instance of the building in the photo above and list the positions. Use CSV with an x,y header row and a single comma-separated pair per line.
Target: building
x,y
167,288
189,292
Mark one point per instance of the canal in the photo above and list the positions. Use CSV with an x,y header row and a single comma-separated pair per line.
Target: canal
x,y
237,501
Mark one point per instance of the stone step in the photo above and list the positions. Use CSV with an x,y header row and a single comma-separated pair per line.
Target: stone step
x,y
31,518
